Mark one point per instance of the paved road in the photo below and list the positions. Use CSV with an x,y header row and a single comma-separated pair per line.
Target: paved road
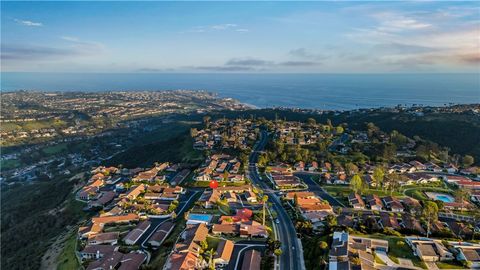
x,y
318,190
291,258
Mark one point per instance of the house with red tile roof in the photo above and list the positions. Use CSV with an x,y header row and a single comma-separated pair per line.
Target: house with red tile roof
x,y
109,238
223,253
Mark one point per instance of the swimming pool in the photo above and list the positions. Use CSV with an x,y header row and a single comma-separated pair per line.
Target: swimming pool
x,y
199,218
440,197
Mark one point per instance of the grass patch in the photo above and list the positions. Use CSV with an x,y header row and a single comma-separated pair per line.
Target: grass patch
x,y
418,192
10,164
450,265
342,191
67,259
213,242
119,228
378,260
55,149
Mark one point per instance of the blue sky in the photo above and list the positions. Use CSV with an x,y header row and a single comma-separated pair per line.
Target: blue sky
x,y
323,37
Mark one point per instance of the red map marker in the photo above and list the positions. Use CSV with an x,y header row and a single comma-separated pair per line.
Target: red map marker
x,y
213,184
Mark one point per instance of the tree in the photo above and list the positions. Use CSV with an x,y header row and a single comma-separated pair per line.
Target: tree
x,y
264,200
461,195
277,252
323,245
210,254
225,175
206,120
467,161
430,214
193,132
378,176
351,168
331,221
372,129
204,245
339,130
311,122
357,184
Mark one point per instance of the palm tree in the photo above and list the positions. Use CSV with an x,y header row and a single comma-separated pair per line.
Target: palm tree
x,y
210,254
430,214
461,195
264,200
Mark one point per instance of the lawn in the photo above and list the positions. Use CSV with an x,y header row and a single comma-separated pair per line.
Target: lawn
x,y
341,192
9,164
55,149
67,259
213,242
450,265
119,228
418,192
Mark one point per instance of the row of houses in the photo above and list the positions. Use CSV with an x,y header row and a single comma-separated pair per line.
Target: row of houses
x,y
282,178
389,203
310,206
231,194
241,224
224,134
220,167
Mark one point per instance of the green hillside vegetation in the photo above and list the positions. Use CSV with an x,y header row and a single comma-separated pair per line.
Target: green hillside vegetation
x,y
170,144
459,132
32,216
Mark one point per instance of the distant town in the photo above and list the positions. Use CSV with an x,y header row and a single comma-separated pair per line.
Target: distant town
x,y
34,116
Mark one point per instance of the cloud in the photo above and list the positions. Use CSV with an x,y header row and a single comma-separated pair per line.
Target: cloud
x,y
74,48
28,23
393,22
304,53
473,58
217,27
395,47
223,68
28,52
86,47
299,63
154,70
247,62
224,26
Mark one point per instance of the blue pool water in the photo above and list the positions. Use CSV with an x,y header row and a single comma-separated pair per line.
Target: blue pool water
x,y
205,218
444,198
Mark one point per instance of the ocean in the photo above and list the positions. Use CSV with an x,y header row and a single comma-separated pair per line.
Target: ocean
x,y
312,91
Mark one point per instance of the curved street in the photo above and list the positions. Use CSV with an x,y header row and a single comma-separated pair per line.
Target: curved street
x,y
292,255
